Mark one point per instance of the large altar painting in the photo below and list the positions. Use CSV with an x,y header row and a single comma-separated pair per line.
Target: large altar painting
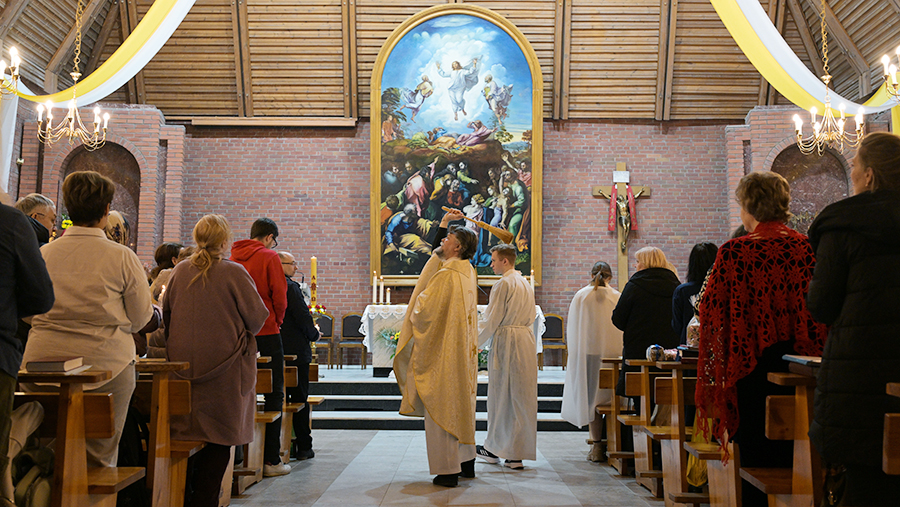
x,y
457,93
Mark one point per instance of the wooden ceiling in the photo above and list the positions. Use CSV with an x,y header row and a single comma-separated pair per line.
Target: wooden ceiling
x,y
312,59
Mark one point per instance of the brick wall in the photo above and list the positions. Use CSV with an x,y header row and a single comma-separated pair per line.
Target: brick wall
x,y
315,184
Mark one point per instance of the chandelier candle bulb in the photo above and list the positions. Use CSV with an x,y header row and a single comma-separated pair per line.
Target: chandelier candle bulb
x,y
40,110
893,72
105,120
812,114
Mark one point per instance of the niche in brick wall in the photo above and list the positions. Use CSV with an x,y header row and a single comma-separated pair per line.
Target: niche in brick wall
x,y
816,181
118,164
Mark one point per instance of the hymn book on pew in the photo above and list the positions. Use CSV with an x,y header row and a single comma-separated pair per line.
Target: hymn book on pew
x,y
69,365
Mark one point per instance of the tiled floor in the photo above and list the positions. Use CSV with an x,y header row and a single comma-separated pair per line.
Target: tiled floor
x,y
369,468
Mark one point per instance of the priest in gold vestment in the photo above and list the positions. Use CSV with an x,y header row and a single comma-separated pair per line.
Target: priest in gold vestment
x,y
436,359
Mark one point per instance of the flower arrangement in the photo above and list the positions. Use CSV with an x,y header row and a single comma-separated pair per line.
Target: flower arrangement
x,y
317,311
390,337
483,359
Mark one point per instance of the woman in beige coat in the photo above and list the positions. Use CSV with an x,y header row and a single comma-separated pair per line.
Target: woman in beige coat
x,y
212,311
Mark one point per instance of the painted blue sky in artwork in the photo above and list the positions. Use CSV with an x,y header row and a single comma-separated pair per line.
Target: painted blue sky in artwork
x,y
461,37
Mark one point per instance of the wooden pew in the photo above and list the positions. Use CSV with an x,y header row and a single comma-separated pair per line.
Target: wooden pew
x,y
675,392
638,384
891,462
254,458
161,398
291,379
724,480
616,457
71,416
788,418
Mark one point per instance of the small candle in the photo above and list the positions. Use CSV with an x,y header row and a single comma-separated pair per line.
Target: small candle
x,y
532,280
388,296
381,289
162,292
374,287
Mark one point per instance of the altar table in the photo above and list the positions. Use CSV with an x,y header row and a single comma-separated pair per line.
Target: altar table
x,y
378,321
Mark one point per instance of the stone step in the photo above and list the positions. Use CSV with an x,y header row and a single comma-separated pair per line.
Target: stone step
x,y
357,402
391,420
386,387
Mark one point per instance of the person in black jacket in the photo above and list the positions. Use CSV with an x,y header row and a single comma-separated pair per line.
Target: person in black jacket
x,y
703,255
855,289
297,331
25,289
644,311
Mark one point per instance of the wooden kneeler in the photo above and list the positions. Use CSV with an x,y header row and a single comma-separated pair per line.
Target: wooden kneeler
x,y
637,384
92,487
617,458
891,463
254,456
724,480
675,392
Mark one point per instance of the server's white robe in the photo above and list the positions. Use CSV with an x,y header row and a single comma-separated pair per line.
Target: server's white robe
x,y
512,369
590,337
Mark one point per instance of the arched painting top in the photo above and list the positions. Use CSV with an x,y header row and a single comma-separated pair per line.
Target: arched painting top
x,y
456,109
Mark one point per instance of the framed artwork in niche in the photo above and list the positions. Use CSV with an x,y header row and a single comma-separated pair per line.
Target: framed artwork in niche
x,y
456,110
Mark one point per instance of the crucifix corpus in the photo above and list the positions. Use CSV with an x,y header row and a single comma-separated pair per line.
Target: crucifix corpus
x,y
622,217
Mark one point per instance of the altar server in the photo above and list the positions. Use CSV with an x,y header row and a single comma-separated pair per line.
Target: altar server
x,y
591,336
436,360
512,365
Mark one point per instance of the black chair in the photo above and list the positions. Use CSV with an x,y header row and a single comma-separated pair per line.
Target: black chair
x,y
326,329
554,337
351,338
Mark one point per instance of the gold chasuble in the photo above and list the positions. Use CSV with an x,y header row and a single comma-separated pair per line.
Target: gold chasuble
x,y
436,359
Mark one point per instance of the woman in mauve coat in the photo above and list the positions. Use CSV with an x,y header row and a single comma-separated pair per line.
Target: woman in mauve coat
x,y
856,290
212,311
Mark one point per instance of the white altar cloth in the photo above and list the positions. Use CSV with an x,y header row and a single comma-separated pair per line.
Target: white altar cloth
x,y
379,320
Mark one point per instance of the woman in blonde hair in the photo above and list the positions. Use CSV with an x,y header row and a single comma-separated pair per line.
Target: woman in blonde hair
x,y
644,312
212,311
591,336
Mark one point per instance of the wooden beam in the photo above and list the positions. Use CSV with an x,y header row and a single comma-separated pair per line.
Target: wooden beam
x,y
670,58
139,77
857,60
896,5
354,71
664,7
10,14
806,36
559,51
51,78
242,51
268,121
238,61
124,32
102,38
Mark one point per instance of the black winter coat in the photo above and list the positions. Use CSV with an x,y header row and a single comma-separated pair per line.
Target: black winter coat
x,y
856,290
298,329
644,314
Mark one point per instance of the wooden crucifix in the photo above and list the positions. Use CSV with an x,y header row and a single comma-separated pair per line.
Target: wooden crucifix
x,y
623,216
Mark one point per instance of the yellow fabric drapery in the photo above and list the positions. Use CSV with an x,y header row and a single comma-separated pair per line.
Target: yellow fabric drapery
x,y
751,28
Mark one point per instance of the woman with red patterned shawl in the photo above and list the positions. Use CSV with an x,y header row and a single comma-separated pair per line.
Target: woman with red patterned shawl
x,y
752,313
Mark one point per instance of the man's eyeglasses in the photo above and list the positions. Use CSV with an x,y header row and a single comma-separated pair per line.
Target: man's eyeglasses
x,y
290,263
276,242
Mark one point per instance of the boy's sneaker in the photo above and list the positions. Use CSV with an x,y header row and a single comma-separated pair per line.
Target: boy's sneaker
x,y
276,470
486,455
514,464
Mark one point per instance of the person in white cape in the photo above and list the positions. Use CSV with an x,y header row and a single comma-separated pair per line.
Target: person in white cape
x,y
590,337
512,365
436,360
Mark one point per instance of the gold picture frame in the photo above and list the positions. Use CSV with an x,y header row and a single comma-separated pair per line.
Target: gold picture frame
x,y
493,173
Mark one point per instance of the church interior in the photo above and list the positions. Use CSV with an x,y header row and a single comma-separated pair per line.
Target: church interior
x,y
282,109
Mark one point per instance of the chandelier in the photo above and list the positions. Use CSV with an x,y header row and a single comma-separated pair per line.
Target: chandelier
x,y
10,86
71,126
890,75
828,132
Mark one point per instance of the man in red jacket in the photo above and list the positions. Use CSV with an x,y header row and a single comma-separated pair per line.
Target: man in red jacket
x,y
263,264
